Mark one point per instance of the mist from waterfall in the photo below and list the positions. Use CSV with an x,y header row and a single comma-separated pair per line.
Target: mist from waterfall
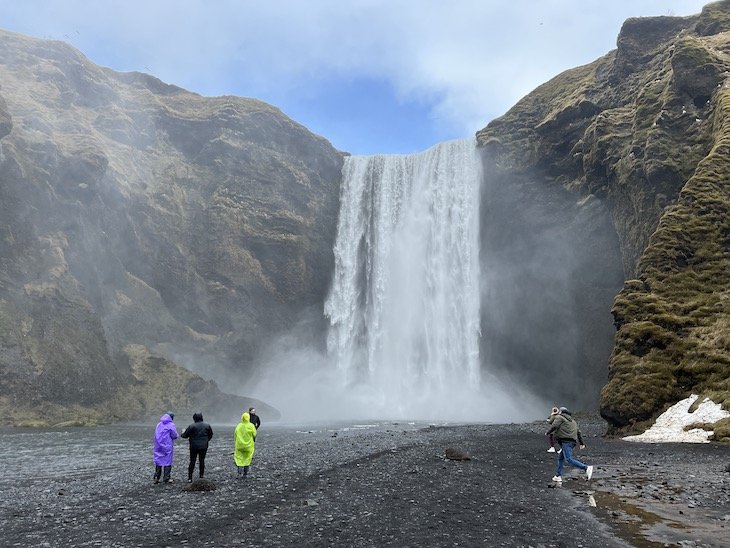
x,y
404,304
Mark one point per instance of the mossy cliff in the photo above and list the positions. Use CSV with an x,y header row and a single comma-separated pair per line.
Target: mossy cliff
x,y
646,130
136,214
157,385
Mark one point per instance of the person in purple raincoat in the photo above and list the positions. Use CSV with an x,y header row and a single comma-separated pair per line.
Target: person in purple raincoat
x,y
165,433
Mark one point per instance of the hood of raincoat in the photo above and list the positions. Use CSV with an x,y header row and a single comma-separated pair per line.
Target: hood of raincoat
x,y
246,417
164,419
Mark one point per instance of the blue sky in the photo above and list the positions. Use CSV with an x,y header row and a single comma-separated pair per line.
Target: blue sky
x,y
372,76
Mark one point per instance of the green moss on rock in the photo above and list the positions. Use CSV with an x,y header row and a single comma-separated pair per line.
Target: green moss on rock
x,y
7,325
675,323
715,18
646,128
158,385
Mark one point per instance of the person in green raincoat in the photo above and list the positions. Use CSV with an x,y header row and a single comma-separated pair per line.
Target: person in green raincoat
x,y
245,436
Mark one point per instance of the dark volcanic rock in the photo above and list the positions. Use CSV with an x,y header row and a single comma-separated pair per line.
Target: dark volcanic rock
x,y
456,454
384,486
200,485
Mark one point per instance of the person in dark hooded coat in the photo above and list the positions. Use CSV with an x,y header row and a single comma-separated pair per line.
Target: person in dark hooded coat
x,y
253,417
199,434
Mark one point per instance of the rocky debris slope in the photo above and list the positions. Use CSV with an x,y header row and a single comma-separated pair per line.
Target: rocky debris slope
x,y
645,130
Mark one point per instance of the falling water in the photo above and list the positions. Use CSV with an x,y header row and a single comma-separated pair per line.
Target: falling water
x,y
404,304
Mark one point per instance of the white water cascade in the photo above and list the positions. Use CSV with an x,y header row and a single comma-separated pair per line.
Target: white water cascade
x,y
404,302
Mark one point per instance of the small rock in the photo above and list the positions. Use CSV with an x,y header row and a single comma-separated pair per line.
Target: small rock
x,y
456,454
200,485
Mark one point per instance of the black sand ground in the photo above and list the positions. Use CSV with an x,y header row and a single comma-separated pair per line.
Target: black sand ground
x,y
382,486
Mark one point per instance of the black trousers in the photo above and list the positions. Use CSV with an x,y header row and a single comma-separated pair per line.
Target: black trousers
x,y
199,454
163,471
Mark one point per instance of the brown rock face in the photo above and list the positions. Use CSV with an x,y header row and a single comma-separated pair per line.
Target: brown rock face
x,y
134,212
644,130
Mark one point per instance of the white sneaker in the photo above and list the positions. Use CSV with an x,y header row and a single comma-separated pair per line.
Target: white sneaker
x,y
558,479
551,450
589,472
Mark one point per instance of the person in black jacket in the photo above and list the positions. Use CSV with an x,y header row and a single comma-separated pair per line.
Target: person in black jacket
x,y
199,434
253,417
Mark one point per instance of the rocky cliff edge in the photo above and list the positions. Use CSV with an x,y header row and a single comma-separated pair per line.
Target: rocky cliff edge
x,y
645,130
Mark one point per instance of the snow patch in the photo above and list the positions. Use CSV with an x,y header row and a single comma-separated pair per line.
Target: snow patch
x,y
669,427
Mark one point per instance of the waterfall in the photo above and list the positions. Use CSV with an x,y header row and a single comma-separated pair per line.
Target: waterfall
x,y
404,303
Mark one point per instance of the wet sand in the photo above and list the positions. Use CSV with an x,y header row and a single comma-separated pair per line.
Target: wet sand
x,y
384,484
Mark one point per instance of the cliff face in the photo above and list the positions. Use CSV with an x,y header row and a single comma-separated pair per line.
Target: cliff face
x,y
135,213
644,130
143,226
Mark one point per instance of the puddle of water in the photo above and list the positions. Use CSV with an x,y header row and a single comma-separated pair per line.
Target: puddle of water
x,y
632,522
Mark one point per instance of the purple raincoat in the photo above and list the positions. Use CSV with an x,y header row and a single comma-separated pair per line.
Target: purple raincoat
x,y
163,446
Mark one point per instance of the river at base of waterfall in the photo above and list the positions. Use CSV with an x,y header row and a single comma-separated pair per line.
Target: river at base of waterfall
x,y
362,484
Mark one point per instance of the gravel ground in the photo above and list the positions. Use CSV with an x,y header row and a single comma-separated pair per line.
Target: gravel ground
x,y
385,484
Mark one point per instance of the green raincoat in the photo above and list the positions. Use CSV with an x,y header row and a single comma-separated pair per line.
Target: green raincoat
x,y
245,436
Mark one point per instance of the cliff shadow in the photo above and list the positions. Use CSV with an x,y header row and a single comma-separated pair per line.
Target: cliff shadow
x,y
550,268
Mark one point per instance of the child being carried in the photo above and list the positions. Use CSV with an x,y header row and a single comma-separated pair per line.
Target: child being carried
x,y
554,447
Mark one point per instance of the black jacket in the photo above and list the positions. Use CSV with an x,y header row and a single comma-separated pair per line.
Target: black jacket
x,y
199,434
256,421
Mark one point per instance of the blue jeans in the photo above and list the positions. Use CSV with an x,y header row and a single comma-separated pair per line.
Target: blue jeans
x,y
567,454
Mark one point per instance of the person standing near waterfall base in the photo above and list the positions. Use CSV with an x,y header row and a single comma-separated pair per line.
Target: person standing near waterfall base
x,y
567,433
163,447
199,434
253,417
244,444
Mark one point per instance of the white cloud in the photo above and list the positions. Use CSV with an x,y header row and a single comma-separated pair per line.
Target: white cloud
x,y
470,60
